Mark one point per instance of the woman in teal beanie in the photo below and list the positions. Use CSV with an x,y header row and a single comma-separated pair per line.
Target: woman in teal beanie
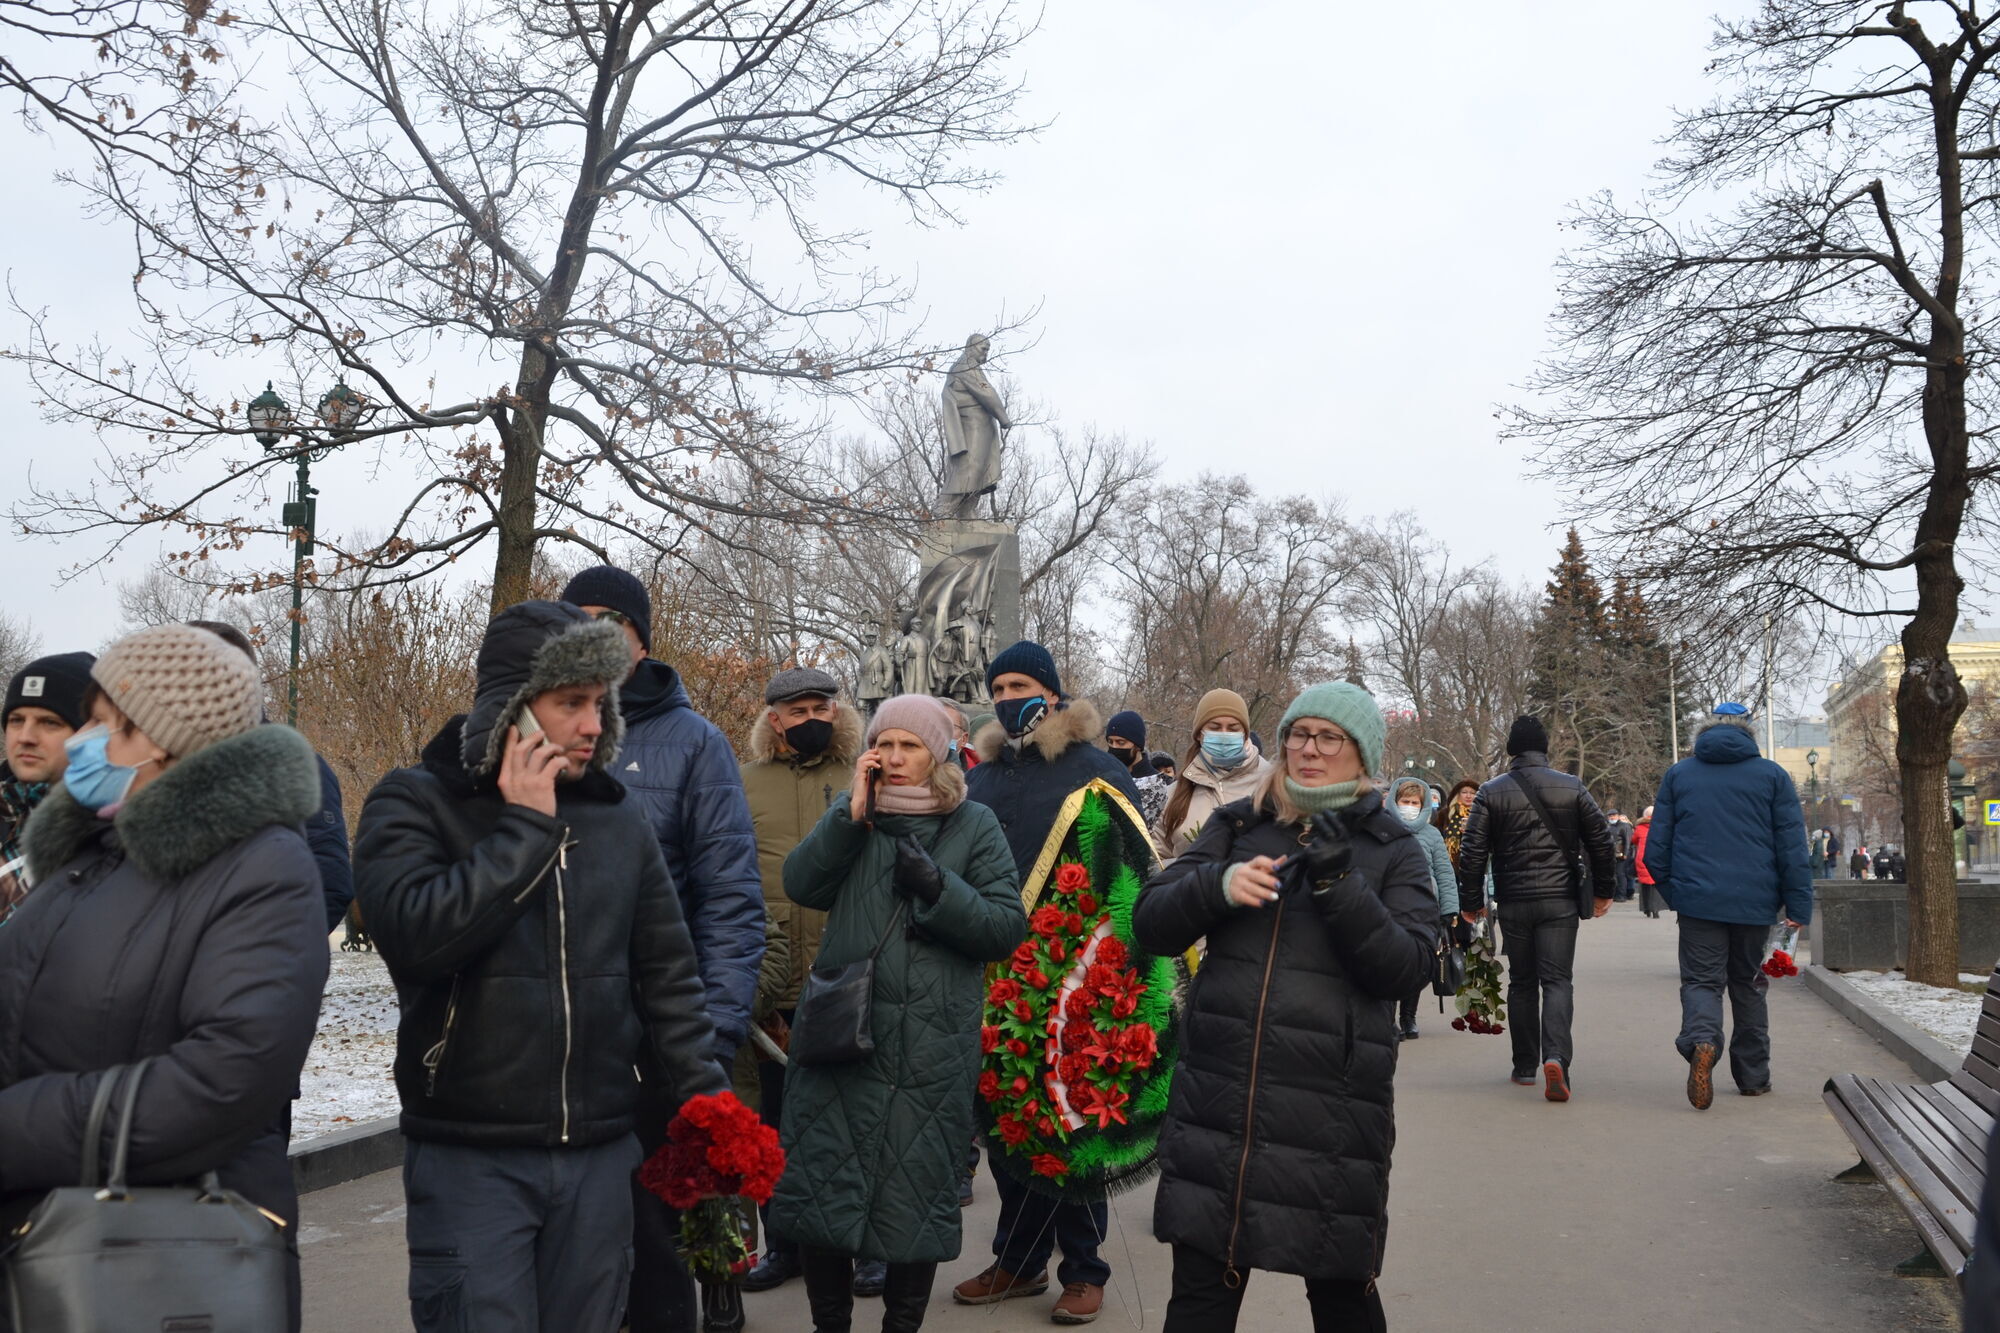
x,y
1317,905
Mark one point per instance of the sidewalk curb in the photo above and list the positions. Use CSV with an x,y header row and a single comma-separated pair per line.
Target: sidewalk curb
x,y
1933,1061
346,1154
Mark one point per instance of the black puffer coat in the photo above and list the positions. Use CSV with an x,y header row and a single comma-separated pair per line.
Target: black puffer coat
x,y
191,928
1527,863
532,956
1275,1152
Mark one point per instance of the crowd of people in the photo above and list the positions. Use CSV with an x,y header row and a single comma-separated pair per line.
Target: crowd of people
x,y
1087,959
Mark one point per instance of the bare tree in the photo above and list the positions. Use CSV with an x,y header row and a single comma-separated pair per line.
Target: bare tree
x,y
1231,589
1404,591
19,645
560,197
1773,407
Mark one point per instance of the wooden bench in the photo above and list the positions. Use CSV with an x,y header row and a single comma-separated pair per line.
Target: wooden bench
x,y
1927,1143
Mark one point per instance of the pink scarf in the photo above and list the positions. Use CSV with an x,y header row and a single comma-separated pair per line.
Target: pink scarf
x,y
912,800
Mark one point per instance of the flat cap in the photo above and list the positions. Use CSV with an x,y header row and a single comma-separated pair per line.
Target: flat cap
x,y
798,683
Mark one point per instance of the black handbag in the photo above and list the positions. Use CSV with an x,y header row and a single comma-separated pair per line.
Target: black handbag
x,y
833,1024
113,1259
1579,882
1448,966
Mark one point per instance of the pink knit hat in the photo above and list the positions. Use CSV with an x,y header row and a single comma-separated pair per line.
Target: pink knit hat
x,y
921,716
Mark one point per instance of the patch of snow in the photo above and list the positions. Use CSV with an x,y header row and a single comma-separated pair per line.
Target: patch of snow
x,y
349,1074
1949,1015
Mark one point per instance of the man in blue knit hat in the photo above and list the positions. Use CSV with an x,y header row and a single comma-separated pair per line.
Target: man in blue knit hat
x,y
1038,752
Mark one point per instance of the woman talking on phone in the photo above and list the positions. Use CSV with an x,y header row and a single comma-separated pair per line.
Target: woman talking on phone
x,y
921,881
1317,906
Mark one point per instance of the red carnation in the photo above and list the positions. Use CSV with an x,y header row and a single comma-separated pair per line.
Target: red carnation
x,y
1125,1005
1071,877
989,1085
1072,1068
1104,980
1079,1004
1111,952
1138,1045
1005,991
1047,920
1048,1164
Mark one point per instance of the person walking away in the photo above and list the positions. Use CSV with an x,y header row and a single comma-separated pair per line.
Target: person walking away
x,y
326,831
1899,869
1649,892
1857,864
1621,855
1125,741
1413,801
679,770
1317,907
1035,756
176,917
44,708
1729,853
911,873
1882,862
1535,894
537,946
1220,766
801,749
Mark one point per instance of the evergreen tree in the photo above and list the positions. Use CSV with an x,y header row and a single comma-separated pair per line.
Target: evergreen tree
x,y
1568,683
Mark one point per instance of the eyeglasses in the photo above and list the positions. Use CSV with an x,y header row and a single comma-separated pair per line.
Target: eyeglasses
x,y
615,617
1328,743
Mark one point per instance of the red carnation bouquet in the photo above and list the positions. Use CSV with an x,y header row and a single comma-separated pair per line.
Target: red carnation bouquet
x,y
1780,964
716,1149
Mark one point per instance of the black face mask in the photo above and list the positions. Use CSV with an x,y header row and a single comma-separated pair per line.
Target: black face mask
x,y
1125,755
1019,716
810,738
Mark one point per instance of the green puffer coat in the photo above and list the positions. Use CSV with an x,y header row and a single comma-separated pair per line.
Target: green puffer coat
x,y
874,1149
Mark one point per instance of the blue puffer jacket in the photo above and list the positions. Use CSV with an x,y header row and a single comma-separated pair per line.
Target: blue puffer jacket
x,y
1728,841
1026,784
1444,880
680,769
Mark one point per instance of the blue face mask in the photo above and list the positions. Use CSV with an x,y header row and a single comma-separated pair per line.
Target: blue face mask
x,y
1018,717
1224,749
94,782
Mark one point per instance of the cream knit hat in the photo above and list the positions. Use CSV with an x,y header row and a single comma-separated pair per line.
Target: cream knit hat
x,y
184,687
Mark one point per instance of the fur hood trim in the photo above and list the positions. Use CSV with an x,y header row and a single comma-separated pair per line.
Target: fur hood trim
x,y
845,749
583,652
1072,722
198,809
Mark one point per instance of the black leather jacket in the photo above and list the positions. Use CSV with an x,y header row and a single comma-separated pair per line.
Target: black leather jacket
x,y
1527,863
533,956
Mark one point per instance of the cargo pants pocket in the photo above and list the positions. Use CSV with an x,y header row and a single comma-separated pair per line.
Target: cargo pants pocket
x,y
437,1292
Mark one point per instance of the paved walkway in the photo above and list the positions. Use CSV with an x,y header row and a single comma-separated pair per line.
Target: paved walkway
x,y
1625,1209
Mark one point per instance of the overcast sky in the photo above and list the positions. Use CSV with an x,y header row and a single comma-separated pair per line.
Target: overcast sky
x,y
1267,238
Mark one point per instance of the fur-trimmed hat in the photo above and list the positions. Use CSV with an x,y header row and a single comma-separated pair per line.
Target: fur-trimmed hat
x,y
530,649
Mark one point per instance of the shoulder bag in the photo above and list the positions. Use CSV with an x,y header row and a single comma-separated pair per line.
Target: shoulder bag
x,y
1448,966
1579,883
113,1259
833,1024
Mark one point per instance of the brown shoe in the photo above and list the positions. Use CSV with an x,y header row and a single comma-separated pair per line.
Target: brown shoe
x,y
1701,1077
1079,1304
996,1284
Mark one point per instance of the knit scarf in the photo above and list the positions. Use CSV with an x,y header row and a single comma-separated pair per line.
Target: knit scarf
x,y
917,799
1312,800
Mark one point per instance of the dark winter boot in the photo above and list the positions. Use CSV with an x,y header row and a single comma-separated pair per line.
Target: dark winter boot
x,y
829,1288
905,1296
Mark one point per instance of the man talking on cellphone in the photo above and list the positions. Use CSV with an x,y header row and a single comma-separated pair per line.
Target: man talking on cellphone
x,y
537,945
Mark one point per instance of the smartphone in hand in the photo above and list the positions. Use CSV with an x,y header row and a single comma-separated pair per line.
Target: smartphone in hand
x,y
526,725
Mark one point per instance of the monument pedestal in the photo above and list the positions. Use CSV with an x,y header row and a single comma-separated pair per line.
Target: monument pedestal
x,y
975,539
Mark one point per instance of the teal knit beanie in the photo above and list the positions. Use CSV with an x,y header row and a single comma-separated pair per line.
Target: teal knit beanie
x,y
1348,707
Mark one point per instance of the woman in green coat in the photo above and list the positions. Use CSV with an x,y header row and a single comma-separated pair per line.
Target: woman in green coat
x,y
874,1148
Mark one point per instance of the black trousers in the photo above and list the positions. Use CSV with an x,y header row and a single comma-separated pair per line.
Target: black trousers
x,y
829,1274
1204,1302
1539,939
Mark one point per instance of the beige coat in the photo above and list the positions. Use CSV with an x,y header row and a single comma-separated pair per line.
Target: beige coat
x,y
1210,790
787,798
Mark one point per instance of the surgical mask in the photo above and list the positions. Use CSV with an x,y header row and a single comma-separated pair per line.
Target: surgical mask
x,y
810,738
1224,749
94,782
1018,717
1410,813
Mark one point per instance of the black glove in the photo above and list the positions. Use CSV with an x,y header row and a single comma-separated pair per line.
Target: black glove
x,y
1329,855
917,876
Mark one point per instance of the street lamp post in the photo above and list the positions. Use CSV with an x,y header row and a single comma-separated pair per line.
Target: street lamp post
x,y
271,420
